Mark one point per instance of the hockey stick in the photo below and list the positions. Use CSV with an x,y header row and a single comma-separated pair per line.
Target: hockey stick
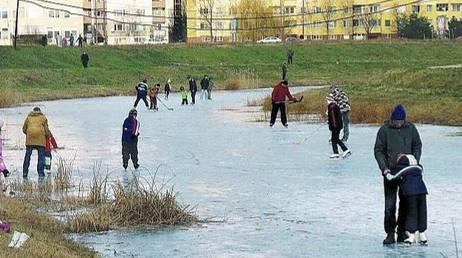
x,y
311,135
161,102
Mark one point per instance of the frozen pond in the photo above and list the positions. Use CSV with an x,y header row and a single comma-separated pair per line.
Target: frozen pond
x,y
269,195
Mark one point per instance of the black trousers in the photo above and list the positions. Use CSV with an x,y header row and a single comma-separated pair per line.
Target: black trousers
x,y
390,223
85,64
166,94
335,140
284,75
274,113
416,217
185,101
209,94
130,151
289,60
193,97
153,104
138,100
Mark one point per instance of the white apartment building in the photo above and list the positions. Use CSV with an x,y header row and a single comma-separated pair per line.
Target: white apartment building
x,y
33,20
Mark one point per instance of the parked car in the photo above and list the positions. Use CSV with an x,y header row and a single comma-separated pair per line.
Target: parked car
x,y
270,39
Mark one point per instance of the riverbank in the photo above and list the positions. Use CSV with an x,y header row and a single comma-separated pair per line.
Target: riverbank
x,y
371,72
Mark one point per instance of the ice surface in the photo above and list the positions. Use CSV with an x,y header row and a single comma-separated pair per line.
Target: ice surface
x,y
269,192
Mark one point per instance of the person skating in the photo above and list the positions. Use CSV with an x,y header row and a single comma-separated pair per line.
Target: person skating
x,y
204,86
130,133
395,136
284,71
153,98
192,89
184,96
50,146
141,93
210,88
411,184
167,88
35,128
85,59
342,101
334,118
278,100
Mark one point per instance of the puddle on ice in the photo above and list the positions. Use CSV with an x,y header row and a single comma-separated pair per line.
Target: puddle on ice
x,y
268,192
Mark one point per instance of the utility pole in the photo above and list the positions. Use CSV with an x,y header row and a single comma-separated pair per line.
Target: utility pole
x,y
16,25
303,15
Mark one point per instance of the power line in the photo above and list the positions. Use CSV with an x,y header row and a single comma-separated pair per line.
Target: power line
x,y
223,29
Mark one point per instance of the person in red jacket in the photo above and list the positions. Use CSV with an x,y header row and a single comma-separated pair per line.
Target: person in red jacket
x,y
50,145
278,100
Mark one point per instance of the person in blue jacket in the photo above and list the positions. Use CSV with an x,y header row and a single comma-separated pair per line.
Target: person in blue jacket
x,y
415,192
130,133
141,93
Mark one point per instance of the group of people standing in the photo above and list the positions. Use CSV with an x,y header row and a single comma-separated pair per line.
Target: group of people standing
x,y
143,91
206,84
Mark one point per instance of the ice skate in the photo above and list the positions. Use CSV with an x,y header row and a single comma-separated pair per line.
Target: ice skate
x,y
410,239
423,239
346,154
334,156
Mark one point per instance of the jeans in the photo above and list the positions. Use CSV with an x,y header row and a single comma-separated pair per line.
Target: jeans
x,y
346,125
274,113
138,98
203,94
390,223
40,161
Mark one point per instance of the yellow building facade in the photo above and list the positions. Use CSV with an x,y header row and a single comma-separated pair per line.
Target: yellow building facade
x,y
214,20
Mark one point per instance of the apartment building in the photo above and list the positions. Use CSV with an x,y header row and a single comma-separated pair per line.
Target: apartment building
x,y
56,24
320,19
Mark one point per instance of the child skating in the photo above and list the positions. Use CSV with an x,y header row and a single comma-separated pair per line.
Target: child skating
x,y
50,145
184,96
153,98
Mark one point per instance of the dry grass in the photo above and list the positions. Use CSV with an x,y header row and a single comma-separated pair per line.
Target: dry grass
x,y
232,84
9,97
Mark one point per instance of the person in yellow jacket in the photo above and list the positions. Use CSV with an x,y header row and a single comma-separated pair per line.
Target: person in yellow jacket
x,y
36,130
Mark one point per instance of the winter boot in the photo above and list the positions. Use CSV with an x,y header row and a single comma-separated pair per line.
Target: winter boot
x,y
410,239
401,236
346,153
390,239
423,238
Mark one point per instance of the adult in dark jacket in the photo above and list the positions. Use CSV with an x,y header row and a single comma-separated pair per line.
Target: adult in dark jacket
x,y
130,133
167,88
395,136
415,192
284,71
290,55
192,89
278,100
80,40
205,82
84,58
141,93
334,117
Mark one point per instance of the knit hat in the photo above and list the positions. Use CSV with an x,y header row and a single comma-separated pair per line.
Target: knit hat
x,y
406,159
36,110
398,113
133,112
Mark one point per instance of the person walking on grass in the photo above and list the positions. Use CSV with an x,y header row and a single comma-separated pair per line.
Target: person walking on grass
x,y
130,133
35,128
284,71
85,59
342,101
278,100
141,93
290,55
192,89
184,96
153,98
395,136
167,88
80,40
334,118
204,86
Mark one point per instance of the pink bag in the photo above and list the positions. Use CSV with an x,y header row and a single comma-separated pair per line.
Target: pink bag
x,y
5,226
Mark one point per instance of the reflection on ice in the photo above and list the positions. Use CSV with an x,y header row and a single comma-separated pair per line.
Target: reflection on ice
x,y
273,191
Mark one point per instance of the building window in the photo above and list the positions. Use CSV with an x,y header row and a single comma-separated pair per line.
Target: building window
x,y
206,39
51,14
204,25
429,8
442,7
4,14
118,27
416,9
204,11
290,10
331,24
219,38
56,14
346,24
456,7
317,10
387,23
332,37
316,37
50,34
4,33
316,25
67,14
374,8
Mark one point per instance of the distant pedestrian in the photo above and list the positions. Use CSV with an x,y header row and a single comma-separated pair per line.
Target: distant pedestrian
x,y
35,128
71,40
152,98
44,40
204,86
184,96
210,88
413,189
141,93
192,89
290,55
278,99
130,133
167,88
284,71
342,101
50,146
395,136
334,117
80,40
85,59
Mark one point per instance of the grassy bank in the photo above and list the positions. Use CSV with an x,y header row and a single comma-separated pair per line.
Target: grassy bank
x,y
371,72
46,234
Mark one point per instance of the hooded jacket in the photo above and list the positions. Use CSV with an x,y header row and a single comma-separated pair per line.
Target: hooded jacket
x,y
334,117
141,89
280,92
36,129
410,177
391,140
130,130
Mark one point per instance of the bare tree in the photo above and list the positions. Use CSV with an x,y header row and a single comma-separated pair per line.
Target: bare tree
x,y
206,11
347,17
327,11
369,18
